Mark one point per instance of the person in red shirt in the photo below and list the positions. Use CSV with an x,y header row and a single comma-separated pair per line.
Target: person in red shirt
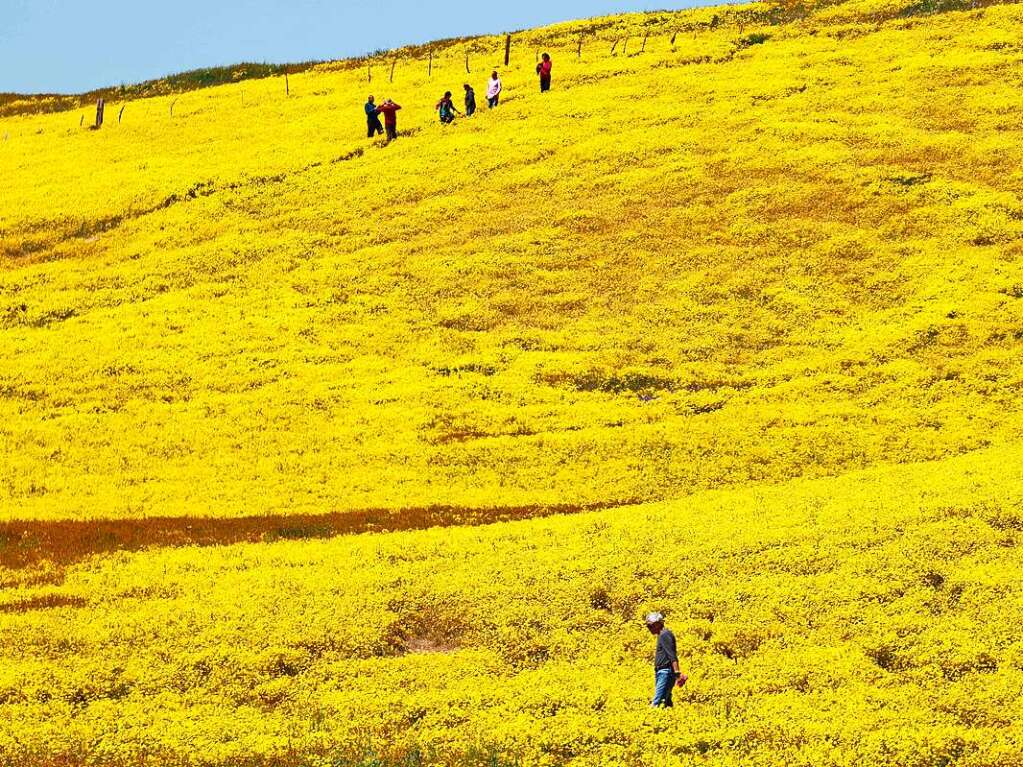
x,y
544,70
389,110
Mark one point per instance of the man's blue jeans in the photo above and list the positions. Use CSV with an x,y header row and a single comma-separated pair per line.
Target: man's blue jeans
x,y
664,680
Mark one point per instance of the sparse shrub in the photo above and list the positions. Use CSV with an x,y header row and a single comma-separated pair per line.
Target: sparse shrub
x,y
754,38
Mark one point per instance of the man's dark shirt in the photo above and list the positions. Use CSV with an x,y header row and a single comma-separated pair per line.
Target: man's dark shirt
x,y
666,654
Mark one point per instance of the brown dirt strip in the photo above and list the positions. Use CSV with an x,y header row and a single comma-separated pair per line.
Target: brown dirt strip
x,y
63,542
42,603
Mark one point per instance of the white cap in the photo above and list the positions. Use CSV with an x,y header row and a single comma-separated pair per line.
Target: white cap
x,y
653,618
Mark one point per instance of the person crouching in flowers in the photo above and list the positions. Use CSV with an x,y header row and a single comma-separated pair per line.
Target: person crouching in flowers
x,y
446,108
666,671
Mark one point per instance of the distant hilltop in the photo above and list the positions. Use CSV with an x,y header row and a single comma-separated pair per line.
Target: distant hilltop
x,y
687,20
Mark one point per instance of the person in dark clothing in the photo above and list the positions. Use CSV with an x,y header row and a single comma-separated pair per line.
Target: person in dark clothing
x,y
666,670
389,110
544,70
373,125
470,100
446,108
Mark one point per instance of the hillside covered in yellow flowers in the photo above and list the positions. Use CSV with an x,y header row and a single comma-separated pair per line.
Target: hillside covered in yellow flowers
x,y
321,451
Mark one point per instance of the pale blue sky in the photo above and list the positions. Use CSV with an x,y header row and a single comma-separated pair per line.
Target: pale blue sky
x,y
75,45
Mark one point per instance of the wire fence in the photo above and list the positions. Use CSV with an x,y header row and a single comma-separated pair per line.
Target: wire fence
x,y
514,51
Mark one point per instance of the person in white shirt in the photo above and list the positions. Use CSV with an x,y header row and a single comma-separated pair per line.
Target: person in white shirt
x,y
493,90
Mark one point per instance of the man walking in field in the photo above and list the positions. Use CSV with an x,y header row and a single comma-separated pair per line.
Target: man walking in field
x,y
544,70
389,110
373,125
493,90
666,671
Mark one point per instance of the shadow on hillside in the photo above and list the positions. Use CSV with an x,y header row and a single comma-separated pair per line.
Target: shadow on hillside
x,y
63,542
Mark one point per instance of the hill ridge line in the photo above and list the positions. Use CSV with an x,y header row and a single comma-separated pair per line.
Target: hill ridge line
x,y
16,103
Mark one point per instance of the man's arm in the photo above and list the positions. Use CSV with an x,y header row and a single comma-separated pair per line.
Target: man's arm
x,y
680,678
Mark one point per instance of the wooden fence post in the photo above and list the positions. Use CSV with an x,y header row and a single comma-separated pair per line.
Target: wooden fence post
x,y
100,107
175,101
81,122
673,39
579,51
615,45
467,70
287,84
643,48
507,49
625,48
369,72
121,114
429,72
393,65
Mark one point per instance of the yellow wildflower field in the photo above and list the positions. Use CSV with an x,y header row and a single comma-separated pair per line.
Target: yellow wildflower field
x,y
321,451
680,269
867,619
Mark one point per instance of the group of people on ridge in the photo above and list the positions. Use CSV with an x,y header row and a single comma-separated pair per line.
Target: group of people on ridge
x,y
446,109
